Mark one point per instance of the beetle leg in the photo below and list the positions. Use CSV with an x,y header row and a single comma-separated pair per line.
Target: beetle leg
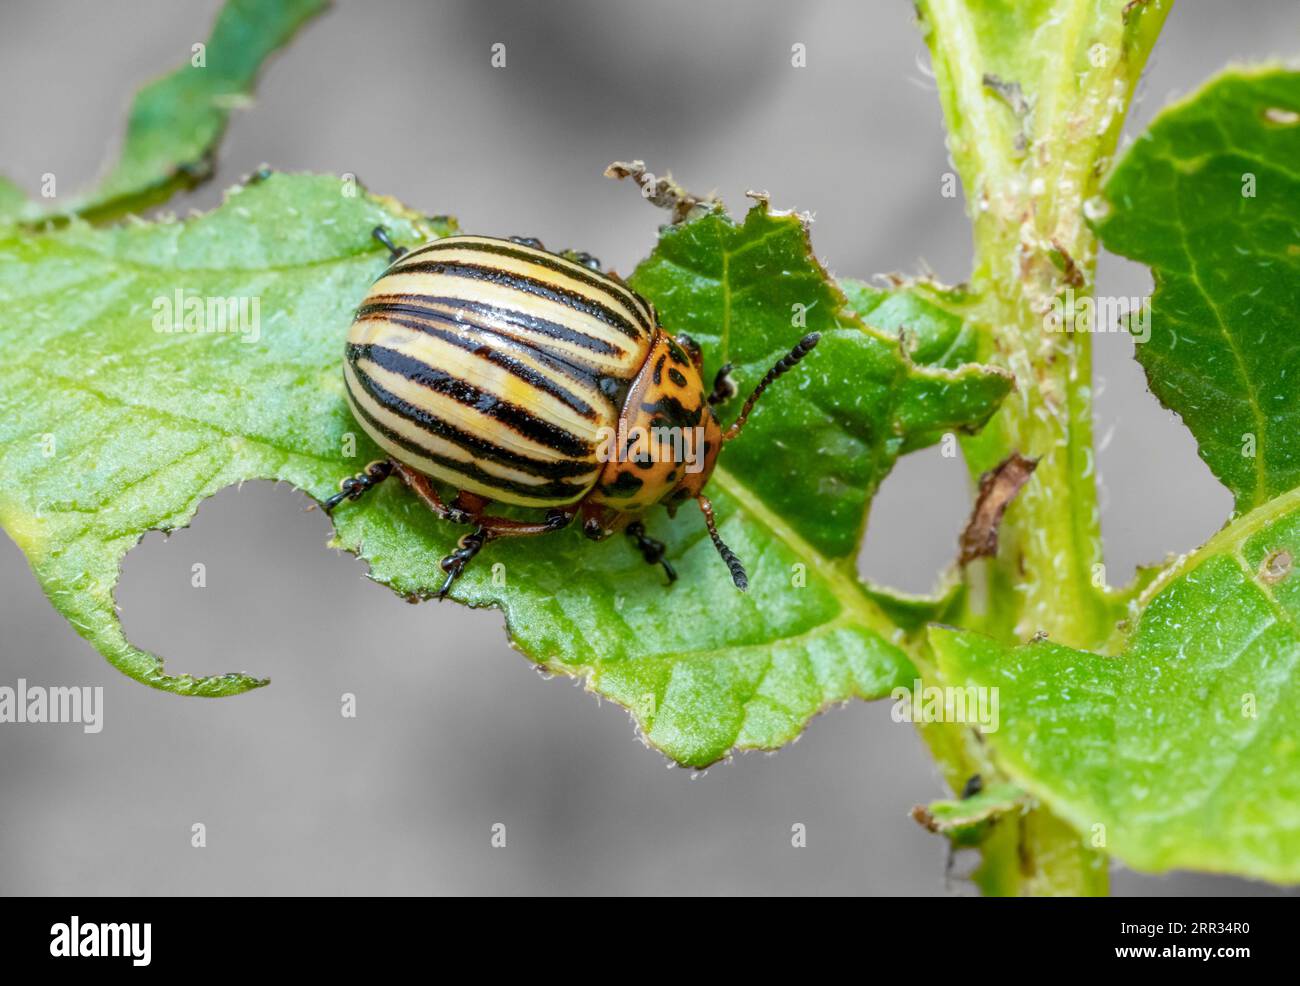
x,y
490,529
354,486
724,387
466,548
528,241
652,550
598,521
505,527
394,251
467,508
428,494
584,258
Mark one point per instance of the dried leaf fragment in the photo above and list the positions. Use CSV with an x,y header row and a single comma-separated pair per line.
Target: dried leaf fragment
x,y
998,487
663,191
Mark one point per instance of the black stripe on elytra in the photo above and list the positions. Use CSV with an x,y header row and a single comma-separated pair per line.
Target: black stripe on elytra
x,y
527,285
467,314
614,387
480,447
549,261
544,491
413,304
519,370
441,382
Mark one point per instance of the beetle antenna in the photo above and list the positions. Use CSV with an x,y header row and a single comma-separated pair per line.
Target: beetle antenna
x,y
786,363
738,575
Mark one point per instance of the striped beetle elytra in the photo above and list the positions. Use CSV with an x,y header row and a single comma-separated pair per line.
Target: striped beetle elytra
x,y
518,376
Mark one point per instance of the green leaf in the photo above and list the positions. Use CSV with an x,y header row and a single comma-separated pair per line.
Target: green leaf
x,y
966,821
937,325
145,424
176,122
109,428
746,292
1034,95
1208,197
703,668
933,320
13,202
1186,746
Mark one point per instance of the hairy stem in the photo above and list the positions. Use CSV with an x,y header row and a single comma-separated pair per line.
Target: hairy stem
x,y
1034,96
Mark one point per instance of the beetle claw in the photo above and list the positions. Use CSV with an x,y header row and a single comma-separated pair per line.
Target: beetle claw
x,y
584,258
652,550
454,564
352,487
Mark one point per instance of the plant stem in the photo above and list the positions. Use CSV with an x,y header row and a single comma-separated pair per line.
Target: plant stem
x,y
1034,99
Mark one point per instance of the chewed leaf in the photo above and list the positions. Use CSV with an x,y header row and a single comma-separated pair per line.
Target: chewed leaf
x,y
965,821
147,367
154,409
745,292
1184,750
931,319
177,121
1209,197
703,668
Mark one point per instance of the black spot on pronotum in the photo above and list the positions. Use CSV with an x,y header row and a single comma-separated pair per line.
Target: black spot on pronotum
x,y
669,412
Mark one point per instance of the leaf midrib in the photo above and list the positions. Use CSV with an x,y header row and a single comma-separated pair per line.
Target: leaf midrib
x,y
844,586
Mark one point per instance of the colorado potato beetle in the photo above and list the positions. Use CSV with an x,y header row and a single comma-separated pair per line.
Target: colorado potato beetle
x,y
516,375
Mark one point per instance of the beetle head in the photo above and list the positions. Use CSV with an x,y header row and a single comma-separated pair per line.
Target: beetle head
x,y
669,435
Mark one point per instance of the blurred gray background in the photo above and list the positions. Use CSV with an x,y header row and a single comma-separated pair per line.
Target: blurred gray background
x,y
455,732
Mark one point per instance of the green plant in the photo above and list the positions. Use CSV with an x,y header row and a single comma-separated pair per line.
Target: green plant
x,y
1154,723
